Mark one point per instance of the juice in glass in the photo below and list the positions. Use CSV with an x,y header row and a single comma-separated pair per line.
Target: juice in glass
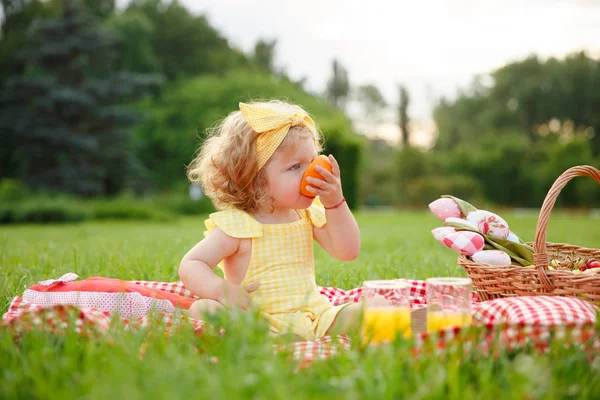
x,y
386,312
382,324
438,320
448,303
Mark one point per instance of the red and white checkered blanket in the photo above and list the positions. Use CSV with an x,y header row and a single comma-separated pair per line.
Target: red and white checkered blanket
x,y
511,323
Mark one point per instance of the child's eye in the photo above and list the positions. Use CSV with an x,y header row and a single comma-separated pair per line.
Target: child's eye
x,y
295,167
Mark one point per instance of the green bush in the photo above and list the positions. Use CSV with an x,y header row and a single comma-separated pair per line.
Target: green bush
x,y
413,165
183,205
42,210
347,152
51,209
12,190
128,211
560,156
49,213
7,214
512,170
501,163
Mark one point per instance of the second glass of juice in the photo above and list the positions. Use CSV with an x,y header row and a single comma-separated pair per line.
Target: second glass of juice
x,y
448,303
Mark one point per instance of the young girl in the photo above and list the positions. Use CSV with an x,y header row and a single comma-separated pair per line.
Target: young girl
x,y
251,167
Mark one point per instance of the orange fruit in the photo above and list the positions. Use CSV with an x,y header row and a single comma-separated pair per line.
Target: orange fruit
x,y
321,160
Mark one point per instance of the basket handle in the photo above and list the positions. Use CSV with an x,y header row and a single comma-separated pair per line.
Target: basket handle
x,y
540,255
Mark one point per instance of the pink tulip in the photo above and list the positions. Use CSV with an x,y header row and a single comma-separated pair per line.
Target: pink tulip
x,y
440,233
444,208
465,242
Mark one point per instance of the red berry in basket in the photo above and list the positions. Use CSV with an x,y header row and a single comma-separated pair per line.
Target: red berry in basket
x,y
594,264
587,263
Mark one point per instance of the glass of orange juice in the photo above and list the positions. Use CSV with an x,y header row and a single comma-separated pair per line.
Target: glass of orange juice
x,y
448,303
386,312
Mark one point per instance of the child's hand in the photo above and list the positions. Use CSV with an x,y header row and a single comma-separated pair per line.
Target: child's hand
x,y
329,189
237,295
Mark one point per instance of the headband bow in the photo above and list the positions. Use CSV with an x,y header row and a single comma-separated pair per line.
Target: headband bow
x,y
272,126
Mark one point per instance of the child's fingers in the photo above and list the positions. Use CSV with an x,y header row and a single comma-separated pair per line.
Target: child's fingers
x,y
327,176
315,190
318,183
335,167
252,287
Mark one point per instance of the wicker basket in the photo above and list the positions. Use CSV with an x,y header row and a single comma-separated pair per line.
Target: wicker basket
x,y
493,282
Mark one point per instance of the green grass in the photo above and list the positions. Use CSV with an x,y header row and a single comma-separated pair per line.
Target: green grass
x,y
241,364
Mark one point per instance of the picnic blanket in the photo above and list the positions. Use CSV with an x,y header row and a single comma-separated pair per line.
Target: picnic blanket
x,y
510,323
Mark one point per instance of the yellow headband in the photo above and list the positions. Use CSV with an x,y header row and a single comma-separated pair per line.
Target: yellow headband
x,y
272,126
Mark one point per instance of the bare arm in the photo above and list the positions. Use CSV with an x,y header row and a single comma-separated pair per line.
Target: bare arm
x,y
196,269
340,236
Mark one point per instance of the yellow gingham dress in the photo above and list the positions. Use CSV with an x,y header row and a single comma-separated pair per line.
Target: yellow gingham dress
x,y
282,260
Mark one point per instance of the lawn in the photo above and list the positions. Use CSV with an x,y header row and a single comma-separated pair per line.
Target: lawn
x,y
242,363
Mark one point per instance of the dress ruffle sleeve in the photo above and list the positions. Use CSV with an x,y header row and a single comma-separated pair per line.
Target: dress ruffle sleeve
x,y
234,223
316,213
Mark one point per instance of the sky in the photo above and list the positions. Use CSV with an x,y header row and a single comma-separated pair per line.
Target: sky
x,y
433,47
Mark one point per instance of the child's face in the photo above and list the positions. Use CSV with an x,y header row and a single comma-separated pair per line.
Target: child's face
x,y
284,174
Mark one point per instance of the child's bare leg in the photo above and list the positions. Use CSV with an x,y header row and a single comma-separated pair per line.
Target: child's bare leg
x,y
203,307
347,321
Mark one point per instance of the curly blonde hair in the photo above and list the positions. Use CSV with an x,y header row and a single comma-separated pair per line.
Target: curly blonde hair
x,y
225,165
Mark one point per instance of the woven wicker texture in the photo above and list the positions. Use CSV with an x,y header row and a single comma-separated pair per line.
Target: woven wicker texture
x,y
494,282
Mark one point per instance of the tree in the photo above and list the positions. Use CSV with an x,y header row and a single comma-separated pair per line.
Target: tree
x,y
338,87
457,122
264,54
373,103
531,96
100,9
403,116
135,31
63,116
18,16
185,44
